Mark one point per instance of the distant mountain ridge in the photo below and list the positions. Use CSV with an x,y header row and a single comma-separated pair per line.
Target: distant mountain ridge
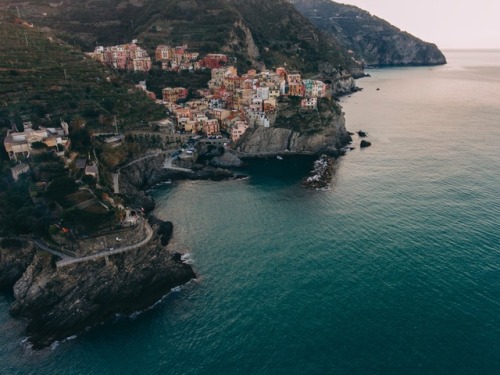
x,y
372,39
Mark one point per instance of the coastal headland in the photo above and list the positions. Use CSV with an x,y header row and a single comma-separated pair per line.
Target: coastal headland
x,y
62,295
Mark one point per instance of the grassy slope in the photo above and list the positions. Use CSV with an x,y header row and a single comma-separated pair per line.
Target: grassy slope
x,y
41,75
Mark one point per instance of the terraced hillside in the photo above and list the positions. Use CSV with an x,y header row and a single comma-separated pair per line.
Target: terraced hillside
x,y
256,32
44,79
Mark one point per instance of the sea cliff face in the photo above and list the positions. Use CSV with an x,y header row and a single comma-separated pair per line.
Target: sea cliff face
x,y
300,132
137,177
15,257
369,38
58,302
134,179
401,50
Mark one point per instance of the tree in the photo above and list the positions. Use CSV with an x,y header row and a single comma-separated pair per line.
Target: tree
x,y
80,139
61,187
89,180
18,121
77,123
38,146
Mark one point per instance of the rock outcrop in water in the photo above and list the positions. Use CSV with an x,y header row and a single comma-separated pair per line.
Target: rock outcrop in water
x,y
322,174
58,302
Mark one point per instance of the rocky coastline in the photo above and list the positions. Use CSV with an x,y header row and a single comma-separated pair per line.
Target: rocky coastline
x,y
321,175
15,257
60,301
135,180
57,302
311,132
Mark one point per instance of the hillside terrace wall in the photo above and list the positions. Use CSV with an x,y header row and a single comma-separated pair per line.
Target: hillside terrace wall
x,y
117,239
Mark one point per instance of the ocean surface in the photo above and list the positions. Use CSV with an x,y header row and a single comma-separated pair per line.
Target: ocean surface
x,y
393,270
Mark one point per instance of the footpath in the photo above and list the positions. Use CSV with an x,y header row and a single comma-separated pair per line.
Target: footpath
x,y
67,260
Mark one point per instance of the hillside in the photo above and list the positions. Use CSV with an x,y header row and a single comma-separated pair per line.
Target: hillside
x,y
372,39
256,32
44,79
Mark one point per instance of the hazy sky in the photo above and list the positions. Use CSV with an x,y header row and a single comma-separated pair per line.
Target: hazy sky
x,y
448,23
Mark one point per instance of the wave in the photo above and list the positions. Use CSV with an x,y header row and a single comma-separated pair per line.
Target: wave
x,y
186,258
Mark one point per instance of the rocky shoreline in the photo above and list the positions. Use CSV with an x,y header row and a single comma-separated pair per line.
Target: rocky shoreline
x,y
59,302
321,175
15,257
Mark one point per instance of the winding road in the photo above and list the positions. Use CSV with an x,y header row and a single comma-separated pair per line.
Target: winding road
x,y
69,260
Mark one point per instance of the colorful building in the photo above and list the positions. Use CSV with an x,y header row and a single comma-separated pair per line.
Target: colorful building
x,y
172,95
214,61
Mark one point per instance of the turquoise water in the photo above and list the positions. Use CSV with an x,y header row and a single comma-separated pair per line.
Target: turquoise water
x,y
394,270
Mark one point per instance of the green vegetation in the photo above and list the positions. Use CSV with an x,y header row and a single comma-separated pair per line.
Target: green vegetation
x,y
88,221
9,243
18,214
59,188
279,31
308,122
42,80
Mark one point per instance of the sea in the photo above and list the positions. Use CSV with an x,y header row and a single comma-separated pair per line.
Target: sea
x,y
395,269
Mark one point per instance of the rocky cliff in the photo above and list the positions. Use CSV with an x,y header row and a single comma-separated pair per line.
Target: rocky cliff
x,y
296,131
136,178
370,38
147,172
58,302
15,257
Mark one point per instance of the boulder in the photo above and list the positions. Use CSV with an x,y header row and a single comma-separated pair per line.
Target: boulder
x,y
227,160
365,144
148,204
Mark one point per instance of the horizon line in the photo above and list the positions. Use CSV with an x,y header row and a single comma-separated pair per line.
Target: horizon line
x,y
485,49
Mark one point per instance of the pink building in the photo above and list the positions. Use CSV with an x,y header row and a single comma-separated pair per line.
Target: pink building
x,y
142,64
309,104
239,128
296,89
123,57
211,127
163,52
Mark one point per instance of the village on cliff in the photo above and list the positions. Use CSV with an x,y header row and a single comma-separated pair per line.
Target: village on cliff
x,y
221,113
232,103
